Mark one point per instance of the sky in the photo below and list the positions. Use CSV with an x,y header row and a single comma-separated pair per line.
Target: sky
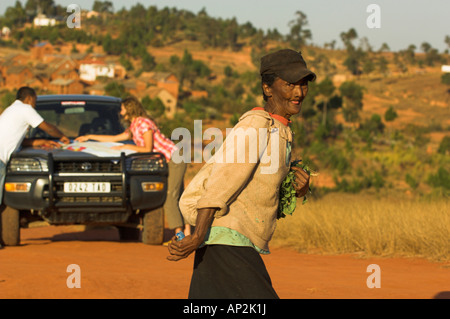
x,y
401,22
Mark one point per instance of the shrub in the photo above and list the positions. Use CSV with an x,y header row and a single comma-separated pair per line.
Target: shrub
x,y
440,180
411,181
445,78
444,146
390,114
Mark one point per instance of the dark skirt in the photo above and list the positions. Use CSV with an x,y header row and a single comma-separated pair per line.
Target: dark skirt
x,y
230,272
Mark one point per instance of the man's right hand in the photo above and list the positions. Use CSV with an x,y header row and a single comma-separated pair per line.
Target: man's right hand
x,y
182,249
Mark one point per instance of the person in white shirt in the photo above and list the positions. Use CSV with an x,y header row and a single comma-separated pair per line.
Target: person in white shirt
x,y
14,123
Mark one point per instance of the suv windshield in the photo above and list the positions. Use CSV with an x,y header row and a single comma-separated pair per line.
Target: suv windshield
x,y
79,118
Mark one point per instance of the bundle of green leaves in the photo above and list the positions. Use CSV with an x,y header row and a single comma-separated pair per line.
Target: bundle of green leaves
x,y
288,200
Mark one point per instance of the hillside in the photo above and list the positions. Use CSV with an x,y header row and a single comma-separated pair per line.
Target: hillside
x,y
186,66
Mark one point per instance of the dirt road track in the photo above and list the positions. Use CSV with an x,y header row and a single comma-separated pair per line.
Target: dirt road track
x,y
112,269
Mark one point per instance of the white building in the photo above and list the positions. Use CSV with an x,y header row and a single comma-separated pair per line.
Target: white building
x,y
42,20
6,32
445,68
90,70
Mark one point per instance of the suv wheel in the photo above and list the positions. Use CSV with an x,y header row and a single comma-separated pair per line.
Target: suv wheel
x,y
10,228
153,231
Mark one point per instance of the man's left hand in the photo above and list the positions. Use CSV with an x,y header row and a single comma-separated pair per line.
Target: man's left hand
x,y
301,182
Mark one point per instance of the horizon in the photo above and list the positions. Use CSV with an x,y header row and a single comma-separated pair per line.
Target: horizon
x,y
398,21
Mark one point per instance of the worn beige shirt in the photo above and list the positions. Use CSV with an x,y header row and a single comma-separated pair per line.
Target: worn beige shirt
x,y
242,180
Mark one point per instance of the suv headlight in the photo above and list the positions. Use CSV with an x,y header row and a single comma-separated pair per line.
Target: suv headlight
x,y
148,164
28,165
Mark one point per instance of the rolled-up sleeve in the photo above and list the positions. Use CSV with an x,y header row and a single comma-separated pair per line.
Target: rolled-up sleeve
x,y
233,167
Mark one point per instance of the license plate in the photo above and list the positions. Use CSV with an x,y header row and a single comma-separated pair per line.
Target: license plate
x,y
87,187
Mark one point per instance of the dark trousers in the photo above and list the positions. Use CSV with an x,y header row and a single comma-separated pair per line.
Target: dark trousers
x,y
230,272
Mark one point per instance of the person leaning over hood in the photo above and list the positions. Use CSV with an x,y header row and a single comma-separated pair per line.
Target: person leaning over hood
x,y
14,123
234,205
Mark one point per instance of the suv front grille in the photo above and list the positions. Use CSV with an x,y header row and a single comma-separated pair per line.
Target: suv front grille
x,y
88,166
87,170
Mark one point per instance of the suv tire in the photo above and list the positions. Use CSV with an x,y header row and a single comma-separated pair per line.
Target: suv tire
x,y
153,231
10,228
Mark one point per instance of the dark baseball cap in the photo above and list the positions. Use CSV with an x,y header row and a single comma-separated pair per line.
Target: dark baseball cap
x,y
287,64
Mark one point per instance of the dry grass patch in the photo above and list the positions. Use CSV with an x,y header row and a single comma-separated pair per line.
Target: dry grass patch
x,y
343,223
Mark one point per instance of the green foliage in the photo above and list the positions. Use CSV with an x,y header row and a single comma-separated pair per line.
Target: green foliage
x,y
103,6
126,63
352,94
411,181
331,157
440,180
194,109
370,128
287,198
116,89
298,34
444,146
234,119
154,106
445,78
390,114
7,98
188,69
356,185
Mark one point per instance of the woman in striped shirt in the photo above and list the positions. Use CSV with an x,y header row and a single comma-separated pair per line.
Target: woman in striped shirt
x,y
147,138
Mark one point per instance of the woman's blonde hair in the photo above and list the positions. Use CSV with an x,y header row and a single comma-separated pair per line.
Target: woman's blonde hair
x,y
134,108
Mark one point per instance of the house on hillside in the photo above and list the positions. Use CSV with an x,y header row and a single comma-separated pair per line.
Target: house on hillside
x,y
135,87
15,76
167,98
41,49
5,33
66,86
91,69
96,89
15,59
41,20
198,94
63,68
445,68
120,72
164,80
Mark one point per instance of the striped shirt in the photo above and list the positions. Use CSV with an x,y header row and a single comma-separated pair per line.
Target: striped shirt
x,y
161,143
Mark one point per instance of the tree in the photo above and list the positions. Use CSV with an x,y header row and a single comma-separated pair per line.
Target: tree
x,y
444,146
382,65
298,34
390,114
15,16
326,89
384,48
353,60
148,61
126,63
352,94
447,40
116,89
103,6
155,106
445,78
348,37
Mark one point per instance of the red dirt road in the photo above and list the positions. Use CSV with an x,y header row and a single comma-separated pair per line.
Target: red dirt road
x,y
112,269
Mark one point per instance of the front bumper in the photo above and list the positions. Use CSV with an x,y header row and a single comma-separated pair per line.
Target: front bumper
x,y
46,193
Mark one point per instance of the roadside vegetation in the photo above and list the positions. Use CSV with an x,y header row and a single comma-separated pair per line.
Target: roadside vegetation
x,y
375,121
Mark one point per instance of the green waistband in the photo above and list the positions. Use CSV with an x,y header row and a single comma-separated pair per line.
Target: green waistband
x,y
226,236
